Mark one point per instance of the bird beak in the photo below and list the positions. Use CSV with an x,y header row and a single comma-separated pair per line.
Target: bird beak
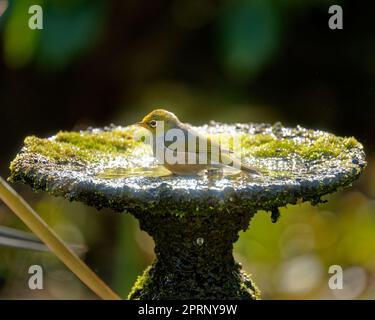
x,y
141,124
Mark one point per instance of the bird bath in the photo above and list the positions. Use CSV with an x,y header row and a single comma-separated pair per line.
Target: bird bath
x,y
193,220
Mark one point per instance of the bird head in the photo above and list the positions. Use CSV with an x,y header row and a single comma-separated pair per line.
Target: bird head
x,y
153,119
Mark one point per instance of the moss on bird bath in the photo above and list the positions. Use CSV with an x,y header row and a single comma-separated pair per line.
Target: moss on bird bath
x,y
193,220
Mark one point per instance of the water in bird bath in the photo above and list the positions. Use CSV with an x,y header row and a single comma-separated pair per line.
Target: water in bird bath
x,y
159,171
121,173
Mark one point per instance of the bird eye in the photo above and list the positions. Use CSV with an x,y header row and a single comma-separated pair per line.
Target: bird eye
x,y
153,123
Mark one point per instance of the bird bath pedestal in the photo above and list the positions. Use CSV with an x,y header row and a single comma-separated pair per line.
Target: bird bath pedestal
x,y
193,220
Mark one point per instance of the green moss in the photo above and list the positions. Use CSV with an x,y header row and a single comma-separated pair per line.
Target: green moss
x,y
139,284
105,141
351,142
60,151
84,146
90,146
326,145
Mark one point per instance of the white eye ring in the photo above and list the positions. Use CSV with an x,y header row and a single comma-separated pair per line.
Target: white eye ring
x,y
153,123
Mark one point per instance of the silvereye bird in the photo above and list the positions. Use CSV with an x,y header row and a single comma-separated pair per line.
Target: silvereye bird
x,y
202,154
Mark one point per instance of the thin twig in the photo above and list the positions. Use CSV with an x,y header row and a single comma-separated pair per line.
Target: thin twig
x,y
37,225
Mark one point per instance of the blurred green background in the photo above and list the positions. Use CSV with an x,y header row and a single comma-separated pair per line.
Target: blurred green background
x,y
101,62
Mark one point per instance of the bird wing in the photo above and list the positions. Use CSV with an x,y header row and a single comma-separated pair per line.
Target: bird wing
x,y
203,144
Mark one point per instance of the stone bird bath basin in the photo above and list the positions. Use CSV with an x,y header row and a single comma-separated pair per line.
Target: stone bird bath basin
x,y
193,220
